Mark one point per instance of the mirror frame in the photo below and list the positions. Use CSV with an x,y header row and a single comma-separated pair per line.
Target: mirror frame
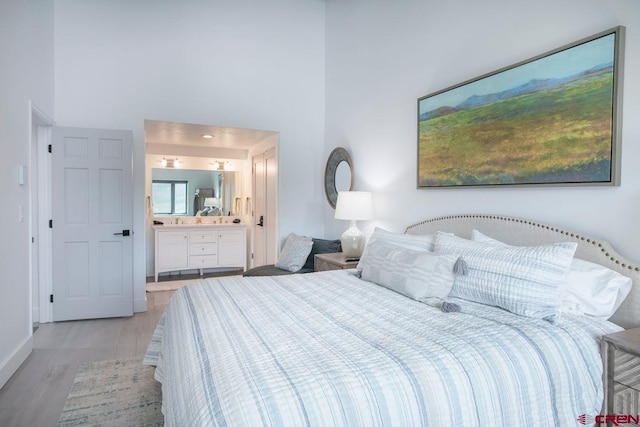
x,y
337,156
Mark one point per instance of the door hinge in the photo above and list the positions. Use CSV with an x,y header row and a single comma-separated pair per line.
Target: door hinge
x,y
51,298
50,223
50,148
33,239
251,256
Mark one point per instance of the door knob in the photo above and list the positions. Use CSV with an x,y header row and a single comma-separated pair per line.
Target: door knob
x,y
261,221
124,233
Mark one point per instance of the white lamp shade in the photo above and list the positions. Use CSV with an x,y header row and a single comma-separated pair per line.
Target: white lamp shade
x,y
354,205
211,201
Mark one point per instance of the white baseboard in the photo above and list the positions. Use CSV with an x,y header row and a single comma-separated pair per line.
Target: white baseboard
x,y
11,364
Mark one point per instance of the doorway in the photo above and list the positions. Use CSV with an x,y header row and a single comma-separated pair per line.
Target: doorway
x,y
39,176
39,170
186,146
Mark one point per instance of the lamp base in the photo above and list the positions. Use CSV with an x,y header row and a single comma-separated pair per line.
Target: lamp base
x,y
352,241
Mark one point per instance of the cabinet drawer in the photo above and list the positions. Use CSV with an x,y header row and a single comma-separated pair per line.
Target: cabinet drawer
x,y
203,261
202,249
322,265
204,236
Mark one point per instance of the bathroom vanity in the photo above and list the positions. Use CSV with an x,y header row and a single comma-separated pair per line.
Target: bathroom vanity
x,y
199,246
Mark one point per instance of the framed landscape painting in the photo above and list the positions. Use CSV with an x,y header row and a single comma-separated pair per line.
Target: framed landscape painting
x,y
551,120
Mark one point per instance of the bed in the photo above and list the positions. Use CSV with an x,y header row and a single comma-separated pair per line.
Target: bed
x,y
330,348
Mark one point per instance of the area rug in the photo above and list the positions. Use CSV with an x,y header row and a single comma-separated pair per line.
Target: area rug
x,y
170,285
119,392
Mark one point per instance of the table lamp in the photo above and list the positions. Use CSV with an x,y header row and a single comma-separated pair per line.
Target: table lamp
x,y
353,206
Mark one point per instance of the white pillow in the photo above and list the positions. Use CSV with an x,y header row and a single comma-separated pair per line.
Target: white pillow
x,y
590,289
523,280
418,274
294,253
419,242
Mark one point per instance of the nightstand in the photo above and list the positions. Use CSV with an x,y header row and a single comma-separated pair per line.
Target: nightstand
x,y
332,261
621,358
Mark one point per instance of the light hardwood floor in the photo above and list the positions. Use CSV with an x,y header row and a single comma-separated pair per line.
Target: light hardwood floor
x,y
36,393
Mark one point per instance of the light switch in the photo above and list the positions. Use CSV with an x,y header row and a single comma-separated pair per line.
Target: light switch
x,y
21,169
20,213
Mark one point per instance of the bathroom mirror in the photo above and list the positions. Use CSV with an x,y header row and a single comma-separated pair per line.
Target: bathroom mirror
x,y
338,174
187,192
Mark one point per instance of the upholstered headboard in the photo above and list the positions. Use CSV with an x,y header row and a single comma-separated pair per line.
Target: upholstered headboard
x,y
525,232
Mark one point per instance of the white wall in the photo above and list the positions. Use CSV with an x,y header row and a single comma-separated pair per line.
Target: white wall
x,y
26,73
247,64
382,56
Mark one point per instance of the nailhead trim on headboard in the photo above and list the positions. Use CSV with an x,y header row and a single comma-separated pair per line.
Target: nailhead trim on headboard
x,y
535,224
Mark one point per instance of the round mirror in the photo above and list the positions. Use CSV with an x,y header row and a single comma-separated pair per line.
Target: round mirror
x,y
338,175
343,177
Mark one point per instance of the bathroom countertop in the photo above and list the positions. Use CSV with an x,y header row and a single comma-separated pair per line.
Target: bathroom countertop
x,y
201,225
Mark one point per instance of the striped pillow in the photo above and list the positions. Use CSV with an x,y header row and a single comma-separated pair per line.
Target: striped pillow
x,y
407,241
523,280
421,275
590,288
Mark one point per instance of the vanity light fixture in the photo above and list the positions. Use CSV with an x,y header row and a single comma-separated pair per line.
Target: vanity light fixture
x,y
170,163
220,166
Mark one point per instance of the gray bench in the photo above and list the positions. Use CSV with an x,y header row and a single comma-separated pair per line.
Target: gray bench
x,y
320,246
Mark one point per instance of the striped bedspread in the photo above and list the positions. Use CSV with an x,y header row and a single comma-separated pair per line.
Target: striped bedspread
x,y
329,349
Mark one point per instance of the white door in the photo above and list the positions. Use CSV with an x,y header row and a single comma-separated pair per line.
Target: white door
x,y
265,184
92,218
271,185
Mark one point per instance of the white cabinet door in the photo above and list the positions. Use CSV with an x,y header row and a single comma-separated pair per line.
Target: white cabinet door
x,y
231,248
173,250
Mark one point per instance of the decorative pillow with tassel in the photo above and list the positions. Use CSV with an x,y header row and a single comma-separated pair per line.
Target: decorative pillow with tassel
x,y
523,280
421,275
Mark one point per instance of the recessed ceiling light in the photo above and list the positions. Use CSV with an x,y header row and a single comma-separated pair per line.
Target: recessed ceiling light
x,y
207,136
